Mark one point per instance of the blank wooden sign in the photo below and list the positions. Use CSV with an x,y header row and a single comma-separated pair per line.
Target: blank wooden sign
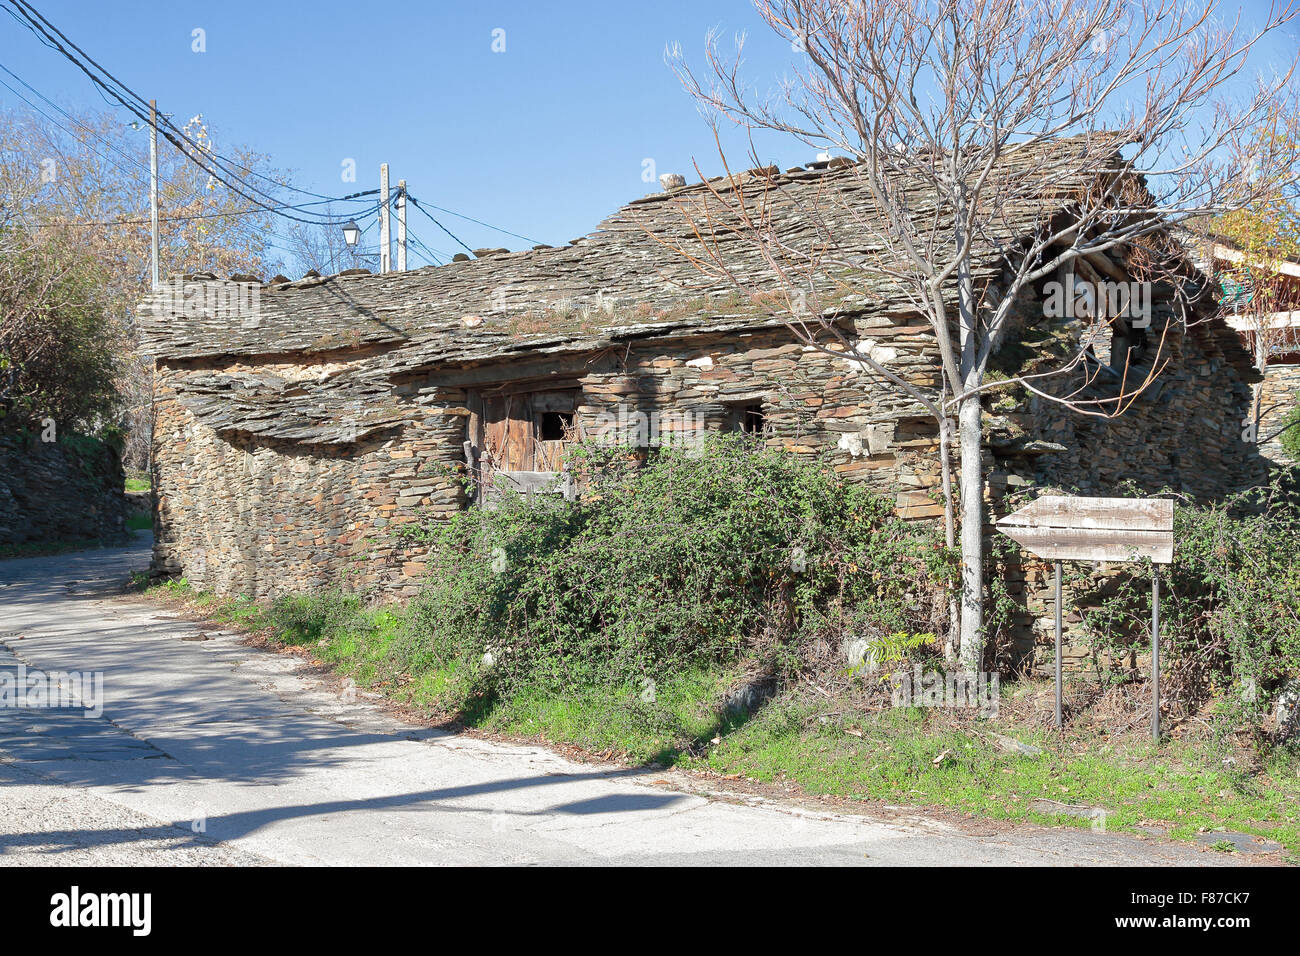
x,y
1094,529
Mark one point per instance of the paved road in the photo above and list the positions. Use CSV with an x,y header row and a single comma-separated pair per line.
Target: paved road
x,y
211,752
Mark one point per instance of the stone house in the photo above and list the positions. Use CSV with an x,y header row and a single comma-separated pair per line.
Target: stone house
x,y
300,422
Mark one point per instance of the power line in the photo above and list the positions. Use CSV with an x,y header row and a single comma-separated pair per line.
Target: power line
x,y
487,225
415,202
233,213
127,222
187,148
65,129
430,255
23,7
103,139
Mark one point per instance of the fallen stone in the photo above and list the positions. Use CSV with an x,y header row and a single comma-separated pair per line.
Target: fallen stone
x,y
1241,842
1011,745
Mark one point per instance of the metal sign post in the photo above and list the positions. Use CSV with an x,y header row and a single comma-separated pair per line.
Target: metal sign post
x,y
1155,653
1058,644
1099,529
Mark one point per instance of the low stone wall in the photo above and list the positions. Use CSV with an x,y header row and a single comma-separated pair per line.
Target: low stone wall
x,y
60,491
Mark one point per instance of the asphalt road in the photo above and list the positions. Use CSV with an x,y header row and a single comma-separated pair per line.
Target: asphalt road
x,y
210,752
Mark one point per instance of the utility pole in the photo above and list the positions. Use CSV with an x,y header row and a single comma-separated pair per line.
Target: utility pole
x,y
385,235
153,190
401,225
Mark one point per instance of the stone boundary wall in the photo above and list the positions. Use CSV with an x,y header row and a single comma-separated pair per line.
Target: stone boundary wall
x,y
60,491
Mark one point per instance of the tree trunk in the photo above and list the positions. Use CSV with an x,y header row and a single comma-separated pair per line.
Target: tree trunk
x,y
972,535
949,534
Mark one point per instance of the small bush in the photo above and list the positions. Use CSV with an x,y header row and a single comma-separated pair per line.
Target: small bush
x,y
1230,605
687,561
307,618
1290,436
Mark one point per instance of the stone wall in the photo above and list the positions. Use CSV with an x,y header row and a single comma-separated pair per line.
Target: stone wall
x,y
1183,434
244,515
1279,394
65,490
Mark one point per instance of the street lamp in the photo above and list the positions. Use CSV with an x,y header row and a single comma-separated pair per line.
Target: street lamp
x,y
351,232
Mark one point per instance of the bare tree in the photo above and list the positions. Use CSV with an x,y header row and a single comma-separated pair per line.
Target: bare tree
x,y
322,248
1017,129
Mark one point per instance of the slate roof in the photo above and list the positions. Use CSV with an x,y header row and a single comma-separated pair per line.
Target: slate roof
x,y
628,280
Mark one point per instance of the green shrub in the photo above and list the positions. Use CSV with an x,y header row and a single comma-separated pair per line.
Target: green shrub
x,y
307,618
1230,604
1290,436
691,560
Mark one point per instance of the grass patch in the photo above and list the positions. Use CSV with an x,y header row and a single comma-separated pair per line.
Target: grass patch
x,y
138,484
645,724
908,755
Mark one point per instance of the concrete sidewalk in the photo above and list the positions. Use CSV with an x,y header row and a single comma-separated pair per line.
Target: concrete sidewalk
x,y
209,751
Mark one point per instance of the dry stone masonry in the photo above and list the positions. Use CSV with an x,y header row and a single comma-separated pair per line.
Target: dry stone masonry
x,y
56,491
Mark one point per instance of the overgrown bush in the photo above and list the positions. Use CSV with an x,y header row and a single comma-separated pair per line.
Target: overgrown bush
x,y
306,618
60,347
1290,435
697,558
1229,609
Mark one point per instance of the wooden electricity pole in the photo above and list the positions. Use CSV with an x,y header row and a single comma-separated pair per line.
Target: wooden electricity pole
x,y
401,225
153,191
385,233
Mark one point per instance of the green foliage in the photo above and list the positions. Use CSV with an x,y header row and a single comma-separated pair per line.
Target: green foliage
x,y
308,618
693,560
1290,437
1230,604
59,346
892,648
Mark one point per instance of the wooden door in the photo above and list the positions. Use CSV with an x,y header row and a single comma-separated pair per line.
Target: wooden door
x,y
514,441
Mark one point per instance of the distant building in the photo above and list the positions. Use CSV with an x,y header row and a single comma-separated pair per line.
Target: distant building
x,y
1268,321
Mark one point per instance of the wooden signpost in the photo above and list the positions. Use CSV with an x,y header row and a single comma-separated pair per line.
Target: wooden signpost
x,y
1099,529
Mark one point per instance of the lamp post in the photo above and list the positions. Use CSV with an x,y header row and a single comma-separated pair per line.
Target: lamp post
x,y
351,233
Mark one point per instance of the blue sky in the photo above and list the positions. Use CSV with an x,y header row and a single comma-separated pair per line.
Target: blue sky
x,y
544,139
